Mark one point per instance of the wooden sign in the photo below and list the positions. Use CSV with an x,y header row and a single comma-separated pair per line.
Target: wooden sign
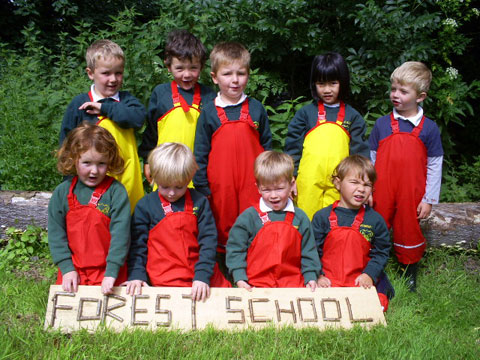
x,y
233,309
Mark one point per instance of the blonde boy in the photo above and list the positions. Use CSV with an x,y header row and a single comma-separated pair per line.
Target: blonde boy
x,y
168,221
117,111
271,244
232,130
407,151
175,106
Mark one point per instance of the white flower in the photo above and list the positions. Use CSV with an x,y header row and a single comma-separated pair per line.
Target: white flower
x,y
450,22
452,73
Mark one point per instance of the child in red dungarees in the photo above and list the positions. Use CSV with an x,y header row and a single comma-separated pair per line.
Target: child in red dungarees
x,y
352,239
173,231
232,130
89,214
407,151
271,244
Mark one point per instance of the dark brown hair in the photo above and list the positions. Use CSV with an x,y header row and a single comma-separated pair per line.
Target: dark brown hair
x,y
184,45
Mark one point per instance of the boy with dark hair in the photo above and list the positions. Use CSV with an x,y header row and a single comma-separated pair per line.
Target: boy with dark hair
x,y
232,131
407,151
271,244
174,107
117,111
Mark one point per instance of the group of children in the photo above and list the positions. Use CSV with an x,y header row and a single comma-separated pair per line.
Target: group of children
x,y
224,205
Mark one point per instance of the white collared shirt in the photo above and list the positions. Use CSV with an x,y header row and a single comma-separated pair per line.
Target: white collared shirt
x,y
97,98
415,120
265,208
223,104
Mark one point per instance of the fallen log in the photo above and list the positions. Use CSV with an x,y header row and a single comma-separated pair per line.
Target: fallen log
x,y
449,224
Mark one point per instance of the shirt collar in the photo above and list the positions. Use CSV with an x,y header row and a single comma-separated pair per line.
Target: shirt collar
x,y
415,120
265,208
223,104
97,98
332,105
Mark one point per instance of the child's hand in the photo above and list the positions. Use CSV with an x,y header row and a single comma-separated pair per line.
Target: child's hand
x,y
244,285
323,281
423,210
70,281
107,285
200,291
146,172
312,284
364,280
134,287
92,108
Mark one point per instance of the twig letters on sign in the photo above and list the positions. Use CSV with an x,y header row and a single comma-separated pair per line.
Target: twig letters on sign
x,y
234,309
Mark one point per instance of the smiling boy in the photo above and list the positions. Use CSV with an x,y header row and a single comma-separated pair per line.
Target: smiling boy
x,y
117,111
175,106
271,244
407,151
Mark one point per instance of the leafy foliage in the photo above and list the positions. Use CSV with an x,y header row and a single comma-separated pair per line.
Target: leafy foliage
x,y
21,249
40,77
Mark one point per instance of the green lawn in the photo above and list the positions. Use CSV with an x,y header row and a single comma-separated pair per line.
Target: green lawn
x,y
440,321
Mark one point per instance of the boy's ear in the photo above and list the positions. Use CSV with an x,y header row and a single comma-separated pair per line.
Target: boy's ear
x,y
422,96
336,183
90,73
214,77
169,67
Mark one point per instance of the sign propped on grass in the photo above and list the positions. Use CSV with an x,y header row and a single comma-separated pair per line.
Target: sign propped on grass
x,y
233,309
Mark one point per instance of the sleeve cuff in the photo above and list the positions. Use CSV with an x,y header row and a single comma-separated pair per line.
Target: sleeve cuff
x,y
309,276
112,270
66,266
239,274
203,276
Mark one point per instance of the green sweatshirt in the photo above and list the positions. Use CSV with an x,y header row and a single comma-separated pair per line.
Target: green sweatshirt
x,y
114,203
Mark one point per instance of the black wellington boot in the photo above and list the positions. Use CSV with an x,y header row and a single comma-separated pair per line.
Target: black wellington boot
x,y
410,274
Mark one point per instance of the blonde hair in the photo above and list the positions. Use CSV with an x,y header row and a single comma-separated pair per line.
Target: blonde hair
x,y
413,73
103,49
83,138
172,163
358,164
273,166
227,53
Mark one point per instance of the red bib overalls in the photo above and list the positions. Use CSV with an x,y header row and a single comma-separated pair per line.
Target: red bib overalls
x,y
345,251
401,166
324,146
88,233
234,147
173,248
274,258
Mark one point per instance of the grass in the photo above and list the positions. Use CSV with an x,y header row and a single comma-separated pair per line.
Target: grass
x,y
440,321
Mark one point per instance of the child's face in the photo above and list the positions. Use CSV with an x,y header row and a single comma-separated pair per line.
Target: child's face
x,y
185,72
231,79
405,98
107,76
276,195
328,91
92,167
354,191
172,192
